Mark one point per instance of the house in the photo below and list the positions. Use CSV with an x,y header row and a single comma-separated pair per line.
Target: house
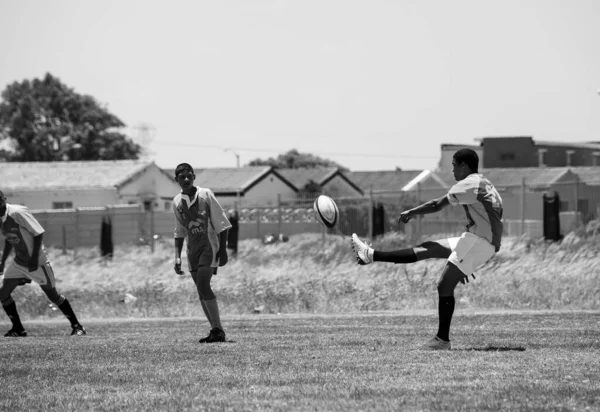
x,y
421,183
448,151
522,189
63,185
247,186
523,151
332,181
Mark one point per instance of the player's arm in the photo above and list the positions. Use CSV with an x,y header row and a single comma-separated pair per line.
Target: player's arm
x,y
180,234
178,249
7,249
35,253
221,224
432,206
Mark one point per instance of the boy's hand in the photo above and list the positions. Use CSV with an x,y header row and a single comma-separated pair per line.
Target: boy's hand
x,y
404,217
33,265
178,267
223,257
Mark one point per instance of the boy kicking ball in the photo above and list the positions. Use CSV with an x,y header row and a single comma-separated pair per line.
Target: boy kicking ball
x,y
483,207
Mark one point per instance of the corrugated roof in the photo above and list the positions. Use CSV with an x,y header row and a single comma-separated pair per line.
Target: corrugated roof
x,y
383,180
301,176
68,175
589,175
534,176
227,180
576,145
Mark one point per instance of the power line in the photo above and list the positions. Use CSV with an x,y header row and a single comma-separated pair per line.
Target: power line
x,y
254,149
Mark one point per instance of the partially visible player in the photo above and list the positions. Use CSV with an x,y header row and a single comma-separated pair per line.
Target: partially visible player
x,y
483,207
201,221
23,233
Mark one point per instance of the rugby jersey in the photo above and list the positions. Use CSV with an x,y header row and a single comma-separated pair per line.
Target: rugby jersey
x,y
19,227
200,220
483,206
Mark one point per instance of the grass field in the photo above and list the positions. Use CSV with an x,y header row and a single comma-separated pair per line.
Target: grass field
x,y
546,361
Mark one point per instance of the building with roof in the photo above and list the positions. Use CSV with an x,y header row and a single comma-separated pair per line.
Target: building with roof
x,y
245,186
332,181
61,185
524,151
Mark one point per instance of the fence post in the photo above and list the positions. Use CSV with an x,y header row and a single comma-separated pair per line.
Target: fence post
x,y
77,237
522,208
258,223
419,218
278,214
64,239
152,226
370,214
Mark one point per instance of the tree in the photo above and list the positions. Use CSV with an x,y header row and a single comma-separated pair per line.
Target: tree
x,y
295,160
44,120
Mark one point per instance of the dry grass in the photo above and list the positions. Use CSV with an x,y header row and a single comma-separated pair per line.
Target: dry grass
x,y
308,275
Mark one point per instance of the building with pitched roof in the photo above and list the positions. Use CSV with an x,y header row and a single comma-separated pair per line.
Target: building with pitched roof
x,y
61,185
333,181
245,186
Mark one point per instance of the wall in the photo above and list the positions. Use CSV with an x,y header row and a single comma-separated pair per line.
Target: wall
x,y
151,184
497,150
337,186
43,199
264,193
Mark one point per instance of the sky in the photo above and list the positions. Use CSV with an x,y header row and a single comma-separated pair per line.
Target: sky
x,y
371,85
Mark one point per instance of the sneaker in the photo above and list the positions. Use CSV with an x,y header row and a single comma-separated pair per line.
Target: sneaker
x,y
215,335
15,333
437,344
78,330
362,250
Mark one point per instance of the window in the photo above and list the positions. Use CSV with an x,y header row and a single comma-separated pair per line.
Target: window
x,y
62,205
570,154
507,156
596,158
583,206
167,206
564,206
542,157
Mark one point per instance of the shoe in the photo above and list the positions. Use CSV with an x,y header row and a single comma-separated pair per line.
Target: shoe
x,y
361,249
437,344
215,335
78,330
15,333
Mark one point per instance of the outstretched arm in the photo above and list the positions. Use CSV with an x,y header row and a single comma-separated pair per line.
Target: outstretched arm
x,y
178,248
426,208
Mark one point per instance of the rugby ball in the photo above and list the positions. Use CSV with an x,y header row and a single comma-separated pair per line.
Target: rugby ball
x,y
327,211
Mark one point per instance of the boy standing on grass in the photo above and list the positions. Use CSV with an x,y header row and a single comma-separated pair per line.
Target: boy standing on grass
x,y
483,207
23,233
201,221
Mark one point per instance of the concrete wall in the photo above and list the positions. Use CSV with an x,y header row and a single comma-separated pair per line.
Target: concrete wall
x,y
44,199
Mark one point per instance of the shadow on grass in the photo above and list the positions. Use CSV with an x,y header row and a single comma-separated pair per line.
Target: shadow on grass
x,y
496,349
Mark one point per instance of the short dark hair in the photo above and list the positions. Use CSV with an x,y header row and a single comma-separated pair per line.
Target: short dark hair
x,y
468,157
183,167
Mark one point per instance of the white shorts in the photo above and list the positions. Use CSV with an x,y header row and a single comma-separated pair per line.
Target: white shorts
x,y
44,275
470,251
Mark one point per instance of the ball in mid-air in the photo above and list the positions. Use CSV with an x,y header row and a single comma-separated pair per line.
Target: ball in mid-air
x,y
327,211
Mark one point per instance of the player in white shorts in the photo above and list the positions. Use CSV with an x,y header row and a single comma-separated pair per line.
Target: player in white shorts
x,y
23,234
483,208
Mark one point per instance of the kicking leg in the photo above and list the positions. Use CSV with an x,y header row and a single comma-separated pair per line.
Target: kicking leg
x,y
426,250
